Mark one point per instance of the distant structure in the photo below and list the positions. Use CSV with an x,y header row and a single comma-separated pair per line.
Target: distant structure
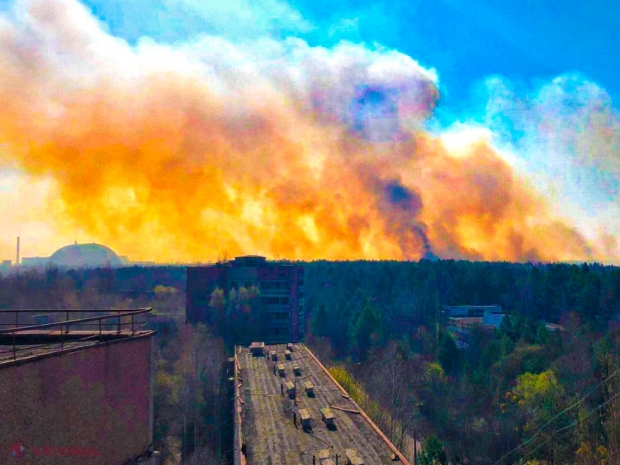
x,y
17,253
33,262
85,256
78,256
5,266
472,310
281,287
462,318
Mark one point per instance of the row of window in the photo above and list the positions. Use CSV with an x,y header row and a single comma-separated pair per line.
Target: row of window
x,y
278,331
235,285
279,315
274,300
268,285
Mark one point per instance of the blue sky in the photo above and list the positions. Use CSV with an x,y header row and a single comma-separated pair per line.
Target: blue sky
x,y
466,42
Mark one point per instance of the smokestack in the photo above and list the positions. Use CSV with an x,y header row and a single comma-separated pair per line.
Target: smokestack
x,y
17,258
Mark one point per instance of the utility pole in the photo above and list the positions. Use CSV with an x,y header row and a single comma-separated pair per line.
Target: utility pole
x,y
415,449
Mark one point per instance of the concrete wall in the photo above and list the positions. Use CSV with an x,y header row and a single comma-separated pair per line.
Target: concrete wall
x,y
240,275
290,274
493,319
59,406
298,324
201,282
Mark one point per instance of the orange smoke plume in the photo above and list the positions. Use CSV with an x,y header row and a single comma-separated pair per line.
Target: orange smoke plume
x,y
269,147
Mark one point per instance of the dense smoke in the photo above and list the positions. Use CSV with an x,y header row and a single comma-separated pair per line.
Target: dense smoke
x,y
263,146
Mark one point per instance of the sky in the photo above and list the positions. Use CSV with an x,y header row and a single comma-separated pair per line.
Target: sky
x,y
478,131
523,41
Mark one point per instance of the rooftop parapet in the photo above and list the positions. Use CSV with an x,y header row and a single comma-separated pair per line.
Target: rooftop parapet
x,y
73,330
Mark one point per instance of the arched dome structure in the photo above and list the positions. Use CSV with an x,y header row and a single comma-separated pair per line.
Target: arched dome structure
x,y
85,256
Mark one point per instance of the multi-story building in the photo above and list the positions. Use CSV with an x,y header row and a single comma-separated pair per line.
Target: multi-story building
x,y
281,294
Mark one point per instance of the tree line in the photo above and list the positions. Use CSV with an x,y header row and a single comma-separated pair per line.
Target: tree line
x,y
521,392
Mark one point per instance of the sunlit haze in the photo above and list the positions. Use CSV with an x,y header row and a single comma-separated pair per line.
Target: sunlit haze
x,y
177,131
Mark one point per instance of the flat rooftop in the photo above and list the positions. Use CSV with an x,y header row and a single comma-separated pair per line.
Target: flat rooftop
x,y
69,330
32,344
268,432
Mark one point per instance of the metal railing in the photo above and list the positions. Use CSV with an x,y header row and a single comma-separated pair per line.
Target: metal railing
x,y
67,325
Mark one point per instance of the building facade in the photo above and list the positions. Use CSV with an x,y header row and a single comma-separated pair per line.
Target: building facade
x,y
471,311
462,318
87,401
280,294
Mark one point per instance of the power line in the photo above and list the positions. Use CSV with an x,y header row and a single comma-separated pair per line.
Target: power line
x,y
527,441
576,422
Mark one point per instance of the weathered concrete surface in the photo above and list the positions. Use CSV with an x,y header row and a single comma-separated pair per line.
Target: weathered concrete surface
x,y
267,425
92,406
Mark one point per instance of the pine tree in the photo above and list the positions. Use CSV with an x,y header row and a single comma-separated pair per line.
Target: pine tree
x,y
320,322
365,330
448,354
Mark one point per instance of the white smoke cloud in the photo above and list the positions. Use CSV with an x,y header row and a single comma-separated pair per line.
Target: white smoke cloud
x,y
567,135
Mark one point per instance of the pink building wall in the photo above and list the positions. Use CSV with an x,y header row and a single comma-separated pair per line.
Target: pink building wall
x,y
64,406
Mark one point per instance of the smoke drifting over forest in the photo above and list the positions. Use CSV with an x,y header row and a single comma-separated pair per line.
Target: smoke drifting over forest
x,y
266,146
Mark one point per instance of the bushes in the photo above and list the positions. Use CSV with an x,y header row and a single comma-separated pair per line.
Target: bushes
x,y
380,416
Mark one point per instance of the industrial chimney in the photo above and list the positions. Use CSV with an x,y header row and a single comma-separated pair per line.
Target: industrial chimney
x,y
17,258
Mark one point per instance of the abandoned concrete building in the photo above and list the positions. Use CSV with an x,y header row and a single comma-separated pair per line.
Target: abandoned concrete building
x,y
76,385
281,288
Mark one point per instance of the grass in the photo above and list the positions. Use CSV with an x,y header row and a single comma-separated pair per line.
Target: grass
x,y
391,427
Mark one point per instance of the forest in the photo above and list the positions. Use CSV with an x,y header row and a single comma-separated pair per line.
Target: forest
x,y
519,394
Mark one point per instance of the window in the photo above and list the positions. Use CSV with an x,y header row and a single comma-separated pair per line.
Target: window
x,y
284,300
233,285
279,286
248,284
